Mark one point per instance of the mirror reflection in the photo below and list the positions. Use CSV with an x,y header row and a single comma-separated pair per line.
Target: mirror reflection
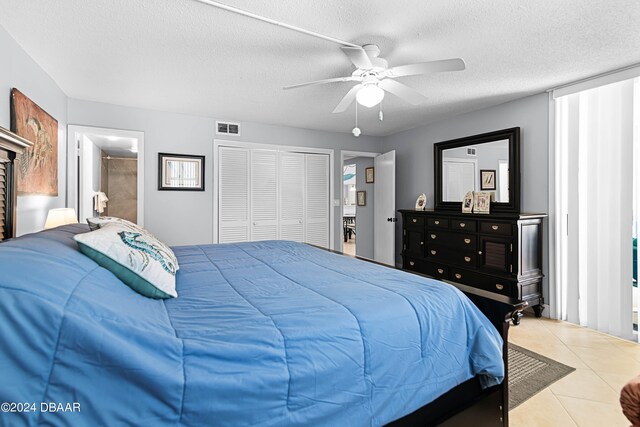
x,y
479,167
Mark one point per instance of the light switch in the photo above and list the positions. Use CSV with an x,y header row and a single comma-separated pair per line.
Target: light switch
x,y
336,202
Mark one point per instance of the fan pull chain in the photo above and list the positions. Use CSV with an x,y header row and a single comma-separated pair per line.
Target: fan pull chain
x,y
356,130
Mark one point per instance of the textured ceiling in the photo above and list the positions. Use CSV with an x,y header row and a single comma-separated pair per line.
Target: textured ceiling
x,y
183,56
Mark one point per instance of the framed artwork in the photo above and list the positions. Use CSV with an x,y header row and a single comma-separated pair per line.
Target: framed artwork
x,y
37,167
369,175
467,202
421,202
481,202
361,198
487,179
180,172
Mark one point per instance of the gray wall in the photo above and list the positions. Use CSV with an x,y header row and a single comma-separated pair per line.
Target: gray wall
x,y
185,217
364,214
414,155
20,71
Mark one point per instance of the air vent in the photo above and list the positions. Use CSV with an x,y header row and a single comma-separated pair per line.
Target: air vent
x,y
471,151
227,128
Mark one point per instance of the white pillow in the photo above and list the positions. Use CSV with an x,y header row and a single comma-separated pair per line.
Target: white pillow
x,y
141,261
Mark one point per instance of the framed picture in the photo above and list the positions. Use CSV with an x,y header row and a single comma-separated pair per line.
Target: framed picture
x,y
37,167
467,202
369,175
421,202
487,179
481,202
180,172
361,198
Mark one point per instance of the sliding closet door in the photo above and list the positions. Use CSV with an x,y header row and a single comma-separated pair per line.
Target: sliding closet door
x,y
292,189
233,195
264,195
317,199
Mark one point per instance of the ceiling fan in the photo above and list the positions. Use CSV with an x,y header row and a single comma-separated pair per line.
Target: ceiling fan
x,y
374,77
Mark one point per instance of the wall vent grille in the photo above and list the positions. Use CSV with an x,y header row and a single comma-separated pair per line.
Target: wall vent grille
x,y
227,128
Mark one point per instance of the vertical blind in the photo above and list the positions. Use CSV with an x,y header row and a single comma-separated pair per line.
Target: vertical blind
x,y
595,148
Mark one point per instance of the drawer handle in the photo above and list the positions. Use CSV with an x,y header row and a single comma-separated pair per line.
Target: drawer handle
x,y
479,252
458,276
462,224
499,286
433,252
411,263
436,222
467,241
421,243
415,220
494,227
440,271
468,259
433,236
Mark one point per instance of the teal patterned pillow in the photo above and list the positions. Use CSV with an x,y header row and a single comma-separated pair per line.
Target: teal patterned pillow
x,y
141,261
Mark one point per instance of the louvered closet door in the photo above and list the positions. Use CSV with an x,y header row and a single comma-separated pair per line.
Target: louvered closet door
x,y
292,177
317,199
264,195
233,197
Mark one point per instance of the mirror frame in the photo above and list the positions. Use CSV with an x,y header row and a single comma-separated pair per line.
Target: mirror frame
x,y
511,134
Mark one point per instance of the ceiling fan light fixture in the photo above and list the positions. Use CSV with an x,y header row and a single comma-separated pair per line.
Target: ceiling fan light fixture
x,y
370,95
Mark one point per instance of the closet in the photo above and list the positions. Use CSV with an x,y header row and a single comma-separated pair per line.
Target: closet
x,y
268,194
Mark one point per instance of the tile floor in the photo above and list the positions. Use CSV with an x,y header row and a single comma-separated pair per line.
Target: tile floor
x,y
589,395
349,247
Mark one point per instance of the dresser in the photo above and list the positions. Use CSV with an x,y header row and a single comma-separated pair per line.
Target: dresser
x,y
500,253
11,146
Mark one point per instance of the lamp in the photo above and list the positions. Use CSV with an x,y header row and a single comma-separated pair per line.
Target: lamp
x,y
370,95
58,217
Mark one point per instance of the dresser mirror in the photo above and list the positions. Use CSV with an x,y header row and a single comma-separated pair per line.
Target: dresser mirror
x,y
487,162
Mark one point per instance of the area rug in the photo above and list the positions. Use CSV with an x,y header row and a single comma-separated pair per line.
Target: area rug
x,y
530,373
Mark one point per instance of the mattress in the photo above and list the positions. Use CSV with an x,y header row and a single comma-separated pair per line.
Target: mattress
x,y
272,333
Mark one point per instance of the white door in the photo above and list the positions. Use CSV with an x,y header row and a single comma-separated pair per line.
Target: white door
x,y
233,169
264,195
459,177
292,187
384,211
317,199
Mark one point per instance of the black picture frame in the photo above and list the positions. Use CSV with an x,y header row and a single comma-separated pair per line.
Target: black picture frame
x,y
369,175
163,185
513,137
361,198
487,185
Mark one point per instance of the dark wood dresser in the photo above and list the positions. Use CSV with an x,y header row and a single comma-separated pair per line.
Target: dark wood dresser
x,y
500,253
11,146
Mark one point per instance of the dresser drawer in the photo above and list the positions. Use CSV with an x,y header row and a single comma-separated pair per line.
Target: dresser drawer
x,y
452,256
453,240
438,223
463,224
415,221
413,264
438,271
491,227
481,281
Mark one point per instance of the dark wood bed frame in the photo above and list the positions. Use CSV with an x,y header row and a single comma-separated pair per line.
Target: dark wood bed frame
x,y
468,404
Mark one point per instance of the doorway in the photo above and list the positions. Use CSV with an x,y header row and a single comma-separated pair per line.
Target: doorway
x,y
108,179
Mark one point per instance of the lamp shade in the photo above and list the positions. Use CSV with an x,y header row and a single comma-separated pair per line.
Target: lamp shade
x,y
369,96
62,216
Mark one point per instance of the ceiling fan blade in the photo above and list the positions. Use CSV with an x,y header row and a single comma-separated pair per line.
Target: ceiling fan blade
x,y
402,91
320,82
348,99
456,64
358,56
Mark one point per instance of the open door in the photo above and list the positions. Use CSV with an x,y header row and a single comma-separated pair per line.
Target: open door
x,y
384,214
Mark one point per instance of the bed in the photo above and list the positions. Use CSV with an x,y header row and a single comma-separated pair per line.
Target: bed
x,y
262,334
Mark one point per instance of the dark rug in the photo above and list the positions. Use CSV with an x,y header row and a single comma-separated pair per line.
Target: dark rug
x,y
530,373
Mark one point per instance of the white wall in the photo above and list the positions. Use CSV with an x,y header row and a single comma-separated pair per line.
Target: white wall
x,y
414,156
185,217
20,71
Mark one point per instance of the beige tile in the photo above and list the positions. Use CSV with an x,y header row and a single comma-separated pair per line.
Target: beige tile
x,y
585,384
542,410
587,413
559,353
608,360
615,381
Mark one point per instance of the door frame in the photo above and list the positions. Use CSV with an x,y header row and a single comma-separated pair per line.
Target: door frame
x,y
73,133
261,146
350,154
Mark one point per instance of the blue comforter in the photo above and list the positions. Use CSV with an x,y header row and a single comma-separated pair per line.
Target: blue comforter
x,y
262,334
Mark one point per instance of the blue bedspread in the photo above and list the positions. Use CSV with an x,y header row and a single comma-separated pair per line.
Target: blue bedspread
x,y
262,334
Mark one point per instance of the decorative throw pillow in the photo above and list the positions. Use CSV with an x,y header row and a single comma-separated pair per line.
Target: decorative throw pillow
x,y
99,221
141,261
